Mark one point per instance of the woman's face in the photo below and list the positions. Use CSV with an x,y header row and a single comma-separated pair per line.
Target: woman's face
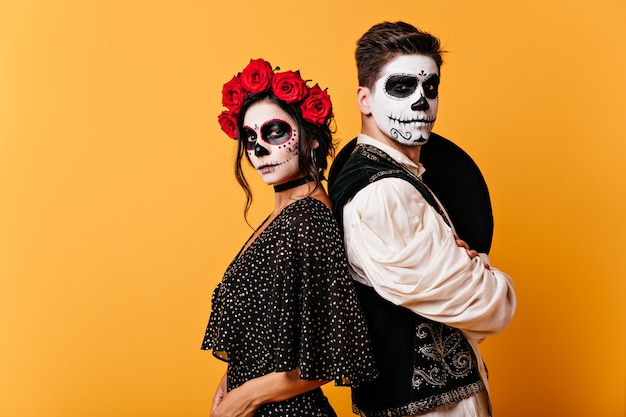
x,y
271,138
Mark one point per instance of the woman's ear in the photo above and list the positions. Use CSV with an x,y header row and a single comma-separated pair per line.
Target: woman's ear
x,y
315,144
363,95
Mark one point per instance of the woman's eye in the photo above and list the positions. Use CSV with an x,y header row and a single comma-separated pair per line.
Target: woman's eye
x,y
276,132
249,136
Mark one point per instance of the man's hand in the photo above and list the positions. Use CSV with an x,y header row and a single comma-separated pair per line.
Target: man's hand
x,y
470,252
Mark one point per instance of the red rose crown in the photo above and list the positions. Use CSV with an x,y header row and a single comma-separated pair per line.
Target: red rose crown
x,y
288,86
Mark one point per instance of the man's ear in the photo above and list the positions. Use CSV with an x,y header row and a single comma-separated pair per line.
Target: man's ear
x,y
363,95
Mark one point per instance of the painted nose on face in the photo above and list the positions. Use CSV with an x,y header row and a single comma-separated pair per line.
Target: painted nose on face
x,y
421,104
260,150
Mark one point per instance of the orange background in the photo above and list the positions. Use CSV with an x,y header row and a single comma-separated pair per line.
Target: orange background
x,y
119,210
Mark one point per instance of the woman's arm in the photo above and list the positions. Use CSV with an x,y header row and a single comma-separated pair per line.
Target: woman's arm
x,y
244,400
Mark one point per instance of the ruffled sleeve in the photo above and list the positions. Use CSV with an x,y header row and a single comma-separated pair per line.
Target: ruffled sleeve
x,y
321,328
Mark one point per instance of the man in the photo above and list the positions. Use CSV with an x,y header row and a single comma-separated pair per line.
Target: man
x,y
427,297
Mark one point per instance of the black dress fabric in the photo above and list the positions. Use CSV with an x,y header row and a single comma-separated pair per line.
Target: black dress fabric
x,y
288,301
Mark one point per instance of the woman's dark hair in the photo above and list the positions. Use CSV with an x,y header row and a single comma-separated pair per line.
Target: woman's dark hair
x,y
384,41
313,162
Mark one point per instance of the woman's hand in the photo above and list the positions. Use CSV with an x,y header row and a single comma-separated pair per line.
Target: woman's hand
x,y
244,400
234,404
220,393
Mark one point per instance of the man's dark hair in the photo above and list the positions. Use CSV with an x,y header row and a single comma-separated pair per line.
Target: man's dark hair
x,y
384,41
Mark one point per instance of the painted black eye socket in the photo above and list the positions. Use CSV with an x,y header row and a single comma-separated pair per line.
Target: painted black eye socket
x,y
249,137
431,87
276,132
401,86
273,132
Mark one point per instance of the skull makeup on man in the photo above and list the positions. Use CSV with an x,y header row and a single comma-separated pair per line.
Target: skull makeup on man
x,y
418,281
405,98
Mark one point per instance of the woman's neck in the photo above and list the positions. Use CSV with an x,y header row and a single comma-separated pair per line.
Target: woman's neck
x,y
292,184
307,189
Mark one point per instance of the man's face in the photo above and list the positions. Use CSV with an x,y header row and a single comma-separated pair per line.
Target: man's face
x,y
404,100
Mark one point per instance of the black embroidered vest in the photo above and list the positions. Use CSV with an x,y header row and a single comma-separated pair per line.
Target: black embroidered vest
x,y
423,364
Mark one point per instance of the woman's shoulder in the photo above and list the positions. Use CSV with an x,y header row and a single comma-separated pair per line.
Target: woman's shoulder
x,y
308,210
311,223
308,205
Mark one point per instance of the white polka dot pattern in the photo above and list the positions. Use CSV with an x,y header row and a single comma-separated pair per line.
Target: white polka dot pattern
x,y
288,301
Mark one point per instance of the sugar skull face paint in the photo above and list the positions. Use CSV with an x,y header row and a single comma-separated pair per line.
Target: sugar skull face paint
x,y
271,140
405,99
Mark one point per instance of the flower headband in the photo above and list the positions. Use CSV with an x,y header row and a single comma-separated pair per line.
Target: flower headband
x,y
288,86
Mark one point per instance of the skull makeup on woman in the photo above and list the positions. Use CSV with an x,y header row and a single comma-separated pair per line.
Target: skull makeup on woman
x,y
285,316
272,140
282,126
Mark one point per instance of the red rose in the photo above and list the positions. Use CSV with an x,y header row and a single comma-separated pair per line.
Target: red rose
x,y
233,95
288,86
317,106
228,123
257,76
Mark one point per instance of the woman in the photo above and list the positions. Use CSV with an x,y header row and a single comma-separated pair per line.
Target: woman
x,y
285,315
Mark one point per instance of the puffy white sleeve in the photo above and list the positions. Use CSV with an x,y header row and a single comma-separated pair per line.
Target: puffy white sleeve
x,y
406,251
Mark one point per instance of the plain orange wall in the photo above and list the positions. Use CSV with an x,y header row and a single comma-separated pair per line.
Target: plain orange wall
x,y
119,211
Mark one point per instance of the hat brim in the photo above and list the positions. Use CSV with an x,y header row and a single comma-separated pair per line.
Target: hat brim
x,y
457,182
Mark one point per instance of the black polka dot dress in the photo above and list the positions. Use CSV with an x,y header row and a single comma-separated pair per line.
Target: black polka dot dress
x,y
288,301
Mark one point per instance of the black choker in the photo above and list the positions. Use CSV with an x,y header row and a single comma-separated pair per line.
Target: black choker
x,y
292,184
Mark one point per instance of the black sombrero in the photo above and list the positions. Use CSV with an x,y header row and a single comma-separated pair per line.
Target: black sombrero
x,y
456,180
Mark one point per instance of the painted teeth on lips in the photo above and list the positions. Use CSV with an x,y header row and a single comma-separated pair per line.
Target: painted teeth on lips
x,y
413,120
271,166
267,168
